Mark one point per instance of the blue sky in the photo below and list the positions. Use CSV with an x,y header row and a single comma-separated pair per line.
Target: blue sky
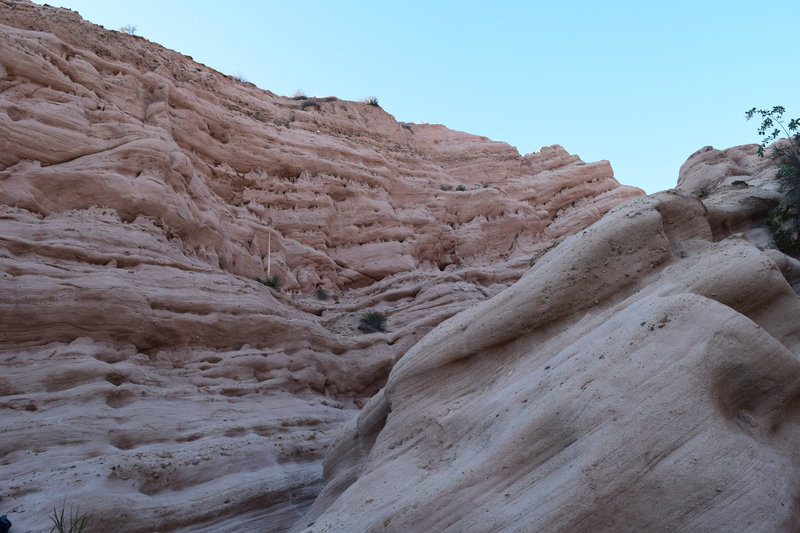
x,y
642,84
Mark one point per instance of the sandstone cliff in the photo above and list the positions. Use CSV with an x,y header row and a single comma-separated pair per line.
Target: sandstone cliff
x,y
145,375
642,376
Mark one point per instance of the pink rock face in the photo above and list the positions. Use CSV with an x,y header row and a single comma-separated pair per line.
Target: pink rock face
x,y
350,196
709,167
146,376
642,376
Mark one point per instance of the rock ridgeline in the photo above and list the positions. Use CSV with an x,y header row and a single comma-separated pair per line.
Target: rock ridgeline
x,y
146,376
350,196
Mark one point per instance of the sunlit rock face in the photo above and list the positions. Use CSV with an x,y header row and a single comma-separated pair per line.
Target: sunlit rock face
x,y
641,376
146,376
349,195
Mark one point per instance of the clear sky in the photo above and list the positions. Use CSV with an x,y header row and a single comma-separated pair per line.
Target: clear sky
x,y
642,84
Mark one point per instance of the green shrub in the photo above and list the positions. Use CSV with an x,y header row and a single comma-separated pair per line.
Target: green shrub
x,y
372,321
461,187
784,220
772,126
72,522
371,100
782,223
273,281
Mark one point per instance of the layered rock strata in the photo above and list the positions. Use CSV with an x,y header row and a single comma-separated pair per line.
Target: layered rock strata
x,y
147,377
642,376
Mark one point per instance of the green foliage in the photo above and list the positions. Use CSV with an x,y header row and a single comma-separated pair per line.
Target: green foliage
x,y
371,100
372,321
72,522
783,223
772,125
461,188
273,281
784,220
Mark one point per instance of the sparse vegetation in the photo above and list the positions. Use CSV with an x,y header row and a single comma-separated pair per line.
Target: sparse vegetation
x,y
461,187
308,103
784,220
322,294
299,95
446,187
130,29
771,127
372,322
72,522
239,77
371,100
272,281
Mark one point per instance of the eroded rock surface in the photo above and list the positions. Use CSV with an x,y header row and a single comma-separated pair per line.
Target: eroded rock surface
x,y
146,376
642,376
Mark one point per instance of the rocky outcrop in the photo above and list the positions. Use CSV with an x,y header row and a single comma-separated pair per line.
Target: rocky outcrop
x,y
710,168
642,376
349,195
147,376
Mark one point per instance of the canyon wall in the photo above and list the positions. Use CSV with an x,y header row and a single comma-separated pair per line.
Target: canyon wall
x,y
641,376
146,376
561,352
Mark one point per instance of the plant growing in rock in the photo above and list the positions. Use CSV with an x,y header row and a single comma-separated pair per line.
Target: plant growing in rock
x,y
784,220
308,103
372,321
272,281
371,100
772,125
322,294
130,29
72,522
461,187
